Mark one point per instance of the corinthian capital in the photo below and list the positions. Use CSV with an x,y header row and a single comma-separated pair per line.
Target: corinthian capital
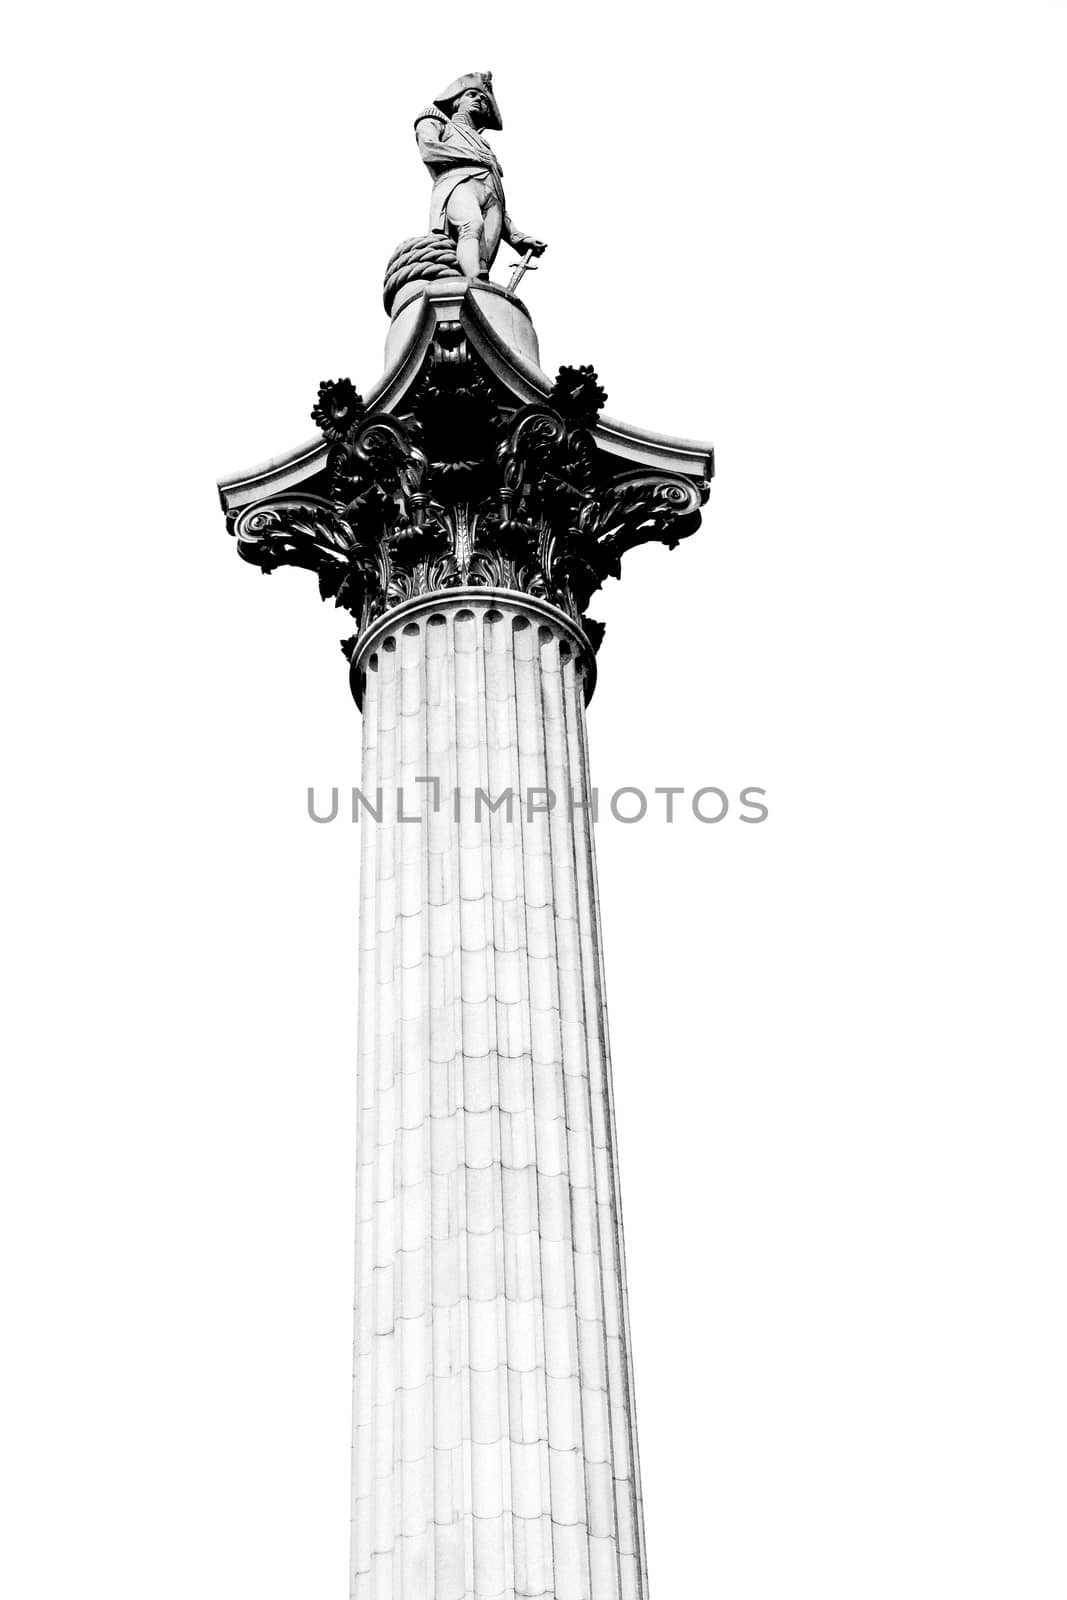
x,y
460,472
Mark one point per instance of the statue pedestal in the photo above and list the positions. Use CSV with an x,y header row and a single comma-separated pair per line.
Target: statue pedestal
x,y
503,312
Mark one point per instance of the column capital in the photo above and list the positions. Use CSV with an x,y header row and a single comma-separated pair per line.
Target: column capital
x,y
469,468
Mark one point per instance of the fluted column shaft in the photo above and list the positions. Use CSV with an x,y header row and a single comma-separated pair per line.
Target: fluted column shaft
x,y
494,1448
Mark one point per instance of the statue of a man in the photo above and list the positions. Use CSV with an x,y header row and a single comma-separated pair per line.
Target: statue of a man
x,y
467,203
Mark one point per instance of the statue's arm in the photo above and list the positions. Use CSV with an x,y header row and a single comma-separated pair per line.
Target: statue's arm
x,y
521,241
428,131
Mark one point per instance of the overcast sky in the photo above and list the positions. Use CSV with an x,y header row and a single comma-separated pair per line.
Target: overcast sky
x,y
829,237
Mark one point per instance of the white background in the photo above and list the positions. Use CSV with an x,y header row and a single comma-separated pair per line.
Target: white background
x,y
831,238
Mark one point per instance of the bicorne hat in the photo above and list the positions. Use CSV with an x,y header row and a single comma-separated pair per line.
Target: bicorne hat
x,y
482,81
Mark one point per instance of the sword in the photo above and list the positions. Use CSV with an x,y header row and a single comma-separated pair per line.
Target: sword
x,y
521,267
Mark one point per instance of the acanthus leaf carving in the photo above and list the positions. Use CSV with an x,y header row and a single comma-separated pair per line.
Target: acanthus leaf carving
x,y
296,532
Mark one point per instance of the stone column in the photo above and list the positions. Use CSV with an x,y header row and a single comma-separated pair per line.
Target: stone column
x,y
494,1443
464,516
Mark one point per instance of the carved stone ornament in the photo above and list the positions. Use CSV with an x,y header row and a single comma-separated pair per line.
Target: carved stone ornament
x,y
462,486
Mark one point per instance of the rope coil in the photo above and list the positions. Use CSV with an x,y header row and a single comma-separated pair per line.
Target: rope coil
x,y
426,257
